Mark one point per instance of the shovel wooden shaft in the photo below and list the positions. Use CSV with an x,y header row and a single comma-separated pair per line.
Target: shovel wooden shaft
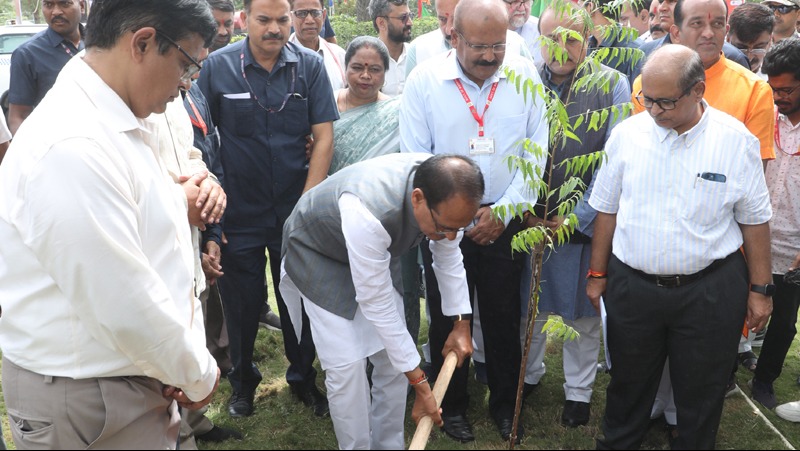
x,y
439,388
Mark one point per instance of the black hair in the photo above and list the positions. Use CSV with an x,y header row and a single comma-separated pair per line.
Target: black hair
x,y
783,57
110,19
440,178
749,20
222,5
367,41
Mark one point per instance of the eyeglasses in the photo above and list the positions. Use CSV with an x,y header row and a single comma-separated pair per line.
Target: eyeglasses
x,y
442,230
784,92
483,48
664,104
754,52
303,13
402,17
192,69
516,3
783,9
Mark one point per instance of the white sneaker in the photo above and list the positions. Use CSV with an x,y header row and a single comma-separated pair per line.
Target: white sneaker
x,y
789,411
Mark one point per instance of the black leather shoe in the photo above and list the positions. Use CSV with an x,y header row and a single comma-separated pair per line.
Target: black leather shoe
x,y
506,424
575,414
218,434
311,397
458,428
528,390
241,404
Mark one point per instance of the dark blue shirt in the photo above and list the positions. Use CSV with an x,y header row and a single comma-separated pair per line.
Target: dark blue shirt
x,y
35,66
206,140
263,153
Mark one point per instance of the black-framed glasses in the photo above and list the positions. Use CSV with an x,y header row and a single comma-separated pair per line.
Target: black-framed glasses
x,y
483,48
784,92
303,13
783,9
516,3
192,69
664,104
402,17
442,230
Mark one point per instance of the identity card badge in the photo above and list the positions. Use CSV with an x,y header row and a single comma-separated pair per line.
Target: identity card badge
x,y
481,146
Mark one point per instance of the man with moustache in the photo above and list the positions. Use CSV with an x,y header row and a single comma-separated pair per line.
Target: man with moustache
x,y
445,109
393,21
524,24
36,63
656,32
223,11
266,95
563,291
666,17
787,14
307,19
674,281
432,43
751,32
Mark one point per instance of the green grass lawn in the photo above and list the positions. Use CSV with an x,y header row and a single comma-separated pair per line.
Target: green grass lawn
x,y
280,422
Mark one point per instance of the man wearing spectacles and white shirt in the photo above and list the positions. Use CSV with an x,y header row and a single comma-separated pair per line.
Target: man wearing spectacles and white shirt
x,y
308,16
266,95
436,43
521,22
463,103
392,19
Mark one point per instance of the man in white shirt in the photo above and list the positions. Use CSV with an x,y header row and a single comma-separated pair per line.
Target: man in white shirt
x,y
393,21
96,269
677,284
341,263
636,14
435,43
524,24
307,19
787,13
446,109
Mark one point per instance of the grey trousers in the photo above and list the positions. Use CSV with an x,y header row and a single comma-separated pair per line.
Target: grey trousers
x,y
47,412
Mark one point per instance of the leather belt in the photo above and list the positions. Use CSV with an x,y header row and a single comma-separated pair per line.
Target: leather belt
x,y
679,280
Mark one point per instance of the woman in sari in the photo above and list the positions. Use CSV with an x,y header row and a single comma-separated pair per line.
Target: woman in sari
x,y
368,122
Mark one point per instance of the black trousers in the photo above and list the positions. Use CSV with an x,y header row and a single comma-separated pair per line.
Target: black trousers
x,y
494,273
697,326
243,293
781,330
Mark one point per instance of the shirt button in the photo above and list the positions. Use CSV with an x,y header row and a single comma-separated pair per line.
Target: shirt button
x,y
269,83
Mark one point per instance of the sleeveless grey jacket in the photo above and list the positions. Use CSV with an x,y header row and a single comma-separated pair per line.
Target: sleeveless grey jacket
x,y
314,250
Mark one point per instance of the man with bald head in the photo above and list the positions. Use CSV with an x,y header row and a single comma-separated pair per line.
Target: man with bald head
x,y
439,42
676,285
446,109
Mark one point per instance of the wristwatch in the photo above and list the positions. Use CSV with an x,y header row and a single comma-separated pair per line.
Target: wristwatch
x,y
766,290
461,316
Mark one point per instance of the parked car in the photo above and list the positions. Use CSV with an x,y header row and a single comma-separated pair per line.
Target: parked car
x,y
11,37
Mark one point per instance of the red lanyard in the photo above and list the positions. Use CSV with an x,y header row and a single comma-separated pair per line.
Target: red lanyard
x,y
778,137
472,108
197,119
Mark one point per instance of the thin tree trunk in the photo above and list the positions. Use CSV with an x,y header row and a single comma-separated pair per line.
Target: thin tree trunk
x,y
362,15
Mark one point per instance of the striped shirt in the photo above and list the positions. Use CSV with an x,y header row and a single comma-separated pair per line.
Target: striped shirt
x,y
679,200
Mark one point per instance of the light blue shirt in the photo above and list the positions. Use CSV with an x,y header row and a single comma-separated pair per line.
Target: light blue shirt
x,y
670,218
435,118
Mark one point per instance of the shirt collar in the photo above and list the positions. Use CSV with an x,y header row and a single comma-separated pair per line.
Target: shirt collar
x,y
547,78
452,70
55,39
786,122
690,135
117,114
